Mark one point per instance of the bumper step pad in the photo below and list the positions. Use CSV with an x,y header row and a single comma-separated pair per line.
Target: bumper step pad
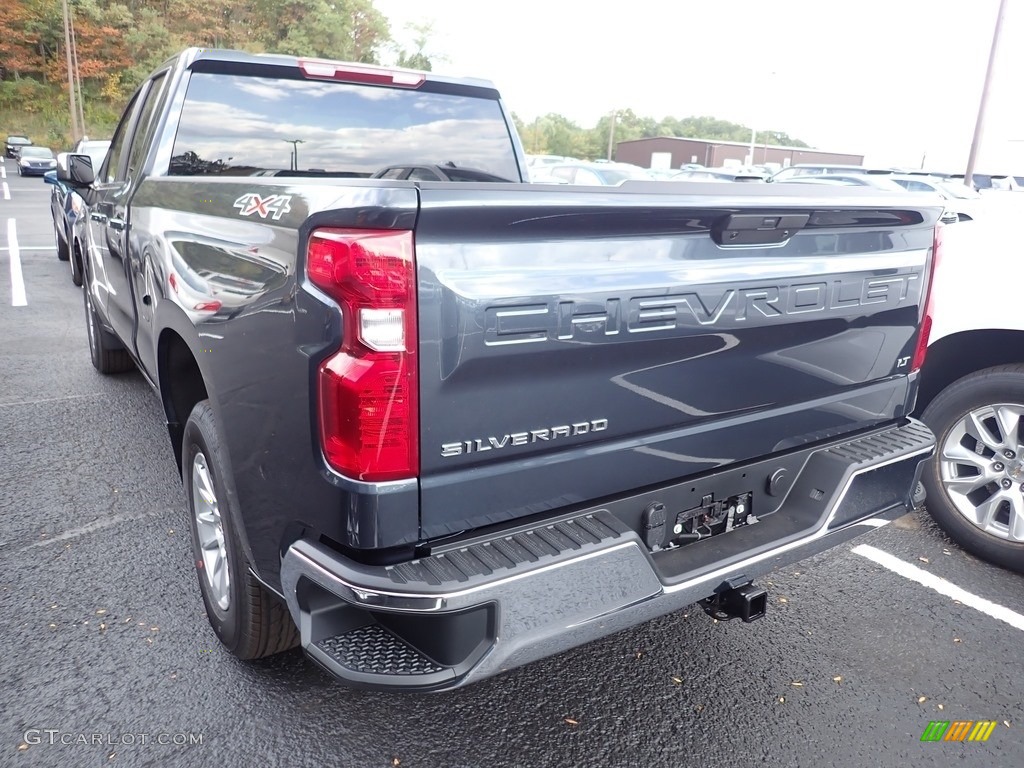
x,y
485,558
373,650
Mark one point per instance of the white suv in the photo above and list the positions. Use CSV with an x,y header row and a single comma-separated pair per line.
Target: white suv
x,y
972,386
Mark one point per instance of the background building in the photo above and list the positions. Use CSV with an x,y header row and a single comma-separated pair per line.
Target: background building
x,y
671,152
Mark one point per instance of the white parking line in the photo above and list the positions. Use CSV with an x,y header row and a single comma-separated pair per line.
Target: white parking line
x,y
74,533
7,191
18,298
31,248
48,400
940,585
3,172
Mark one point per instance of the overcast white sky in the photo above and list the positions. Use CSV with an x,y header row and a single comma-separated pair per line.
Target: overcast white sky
x,y
892,79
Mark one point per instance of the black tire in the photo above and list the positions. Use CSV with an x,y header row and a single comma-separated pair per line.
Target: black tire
x,y
108,354
76,266
255,623
1003,384
63,251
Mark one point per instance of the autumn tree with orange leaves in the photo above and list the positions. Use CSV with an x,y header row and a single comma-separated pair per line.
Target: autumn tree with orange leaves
x,y
120,42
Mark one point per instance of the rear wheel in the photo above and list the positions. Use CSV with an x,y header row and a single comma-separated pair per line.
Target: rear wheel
x,y
63,251
76,265
975,482
108,354
249,620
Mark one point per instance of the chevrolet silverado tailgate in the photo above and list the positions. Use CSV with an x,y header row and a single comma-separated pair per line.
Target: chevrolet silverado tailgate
x,y
578,344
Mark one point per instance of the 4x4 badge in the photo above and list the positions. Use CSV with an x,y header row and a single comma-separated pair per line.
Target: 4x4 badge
x,y
275,205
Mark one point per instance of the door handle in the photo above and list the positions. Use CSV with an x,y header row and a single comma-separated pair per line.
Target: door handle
x,y
117,224
97,216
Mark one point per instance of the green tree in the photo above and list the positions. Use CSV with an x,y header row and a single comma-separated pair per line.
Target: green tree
x,y
417,57
554,134
707,127
349,30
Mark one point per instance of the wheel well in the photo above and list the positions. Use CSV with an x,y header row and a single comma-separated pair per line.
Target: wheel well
x,y
181,385
953,357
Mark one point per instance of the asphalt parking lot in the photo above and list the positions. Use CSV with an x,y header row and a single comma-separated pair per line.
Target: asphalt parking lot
x,y
106,657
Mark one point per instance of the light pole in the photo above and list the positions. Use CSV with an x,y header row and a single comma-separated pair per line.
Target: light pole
x,y
78,77
75,132
611,134
294,153
753,131
979,126
768,136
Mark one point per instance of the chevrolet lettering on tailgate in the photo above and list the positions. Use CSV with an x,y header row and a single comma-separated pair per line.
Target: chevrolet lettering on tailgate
x,y
612,316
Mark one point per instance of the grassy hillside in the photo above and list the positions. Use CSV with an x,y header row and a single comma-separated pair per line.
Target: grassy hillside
x,y
41,112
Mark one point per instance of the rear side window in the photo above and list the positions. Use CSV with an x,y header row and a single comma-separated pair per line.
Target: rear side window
x,y
235,125
111,166
144,128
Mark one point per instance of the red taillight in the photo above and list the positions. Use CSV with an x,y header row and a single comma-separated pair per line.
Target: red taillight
x,y
369,415
921,350
323,69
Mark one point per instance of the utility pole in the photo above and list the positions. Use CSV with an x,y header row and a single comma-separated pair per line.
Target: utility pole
x,y
75,132
768,136
78,77
767,85
611,134
295,152
979,126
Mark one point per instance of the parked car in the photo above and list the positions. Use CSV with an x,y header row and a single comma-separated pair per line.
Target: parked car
x,y
719,174
95,148
597,174
963,201
67,207
435,173
987,182
813,169
14,143
972,393
533,160
450,429
1004,184
661,174
921,172
881,182
539,174
35,161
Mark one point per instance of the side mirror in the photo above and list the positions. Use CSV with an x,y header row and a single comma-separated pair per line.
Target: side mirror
x,y
50,177
75,170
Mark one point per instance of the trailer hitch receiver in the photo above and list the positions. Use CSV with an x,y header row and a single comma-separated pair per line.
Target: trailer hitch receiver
x,y
737,598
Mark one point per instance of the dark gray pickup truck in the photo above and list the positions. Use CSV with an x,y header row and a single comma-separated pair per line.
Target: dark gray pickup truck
x,y
435,430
